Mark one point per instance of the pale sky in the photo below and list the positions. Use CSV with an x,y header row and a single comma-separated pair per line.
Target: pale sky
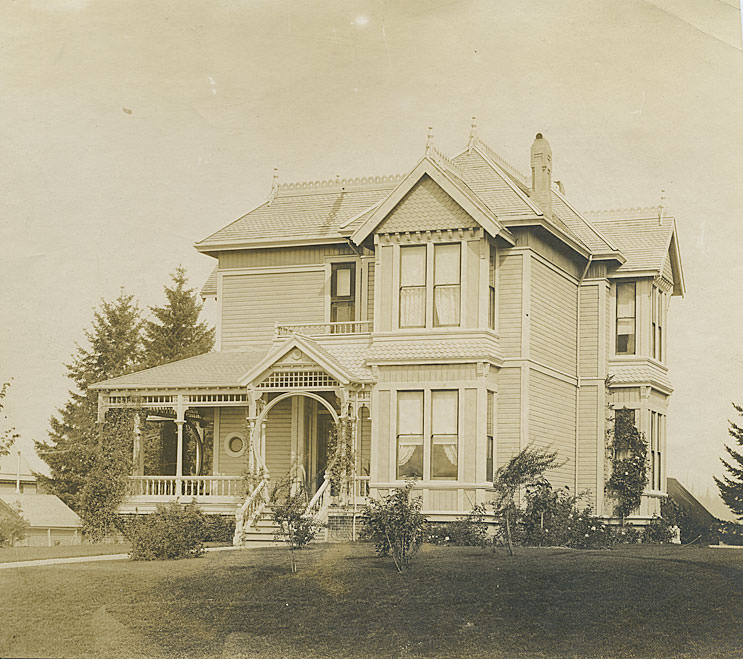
x,y
131,130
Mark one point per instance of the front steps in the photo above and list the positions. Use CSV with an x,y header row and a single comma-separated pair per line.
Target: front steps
x,y
263,529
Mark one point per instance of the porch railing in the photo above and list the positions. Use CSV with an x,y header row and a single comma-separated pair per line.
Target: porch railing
x,y
323,329
192,486
361,486
318,506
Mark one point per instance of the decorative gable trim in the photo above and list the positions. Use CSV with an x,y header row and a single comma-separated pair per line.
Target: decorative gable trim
x,y
304,347
679,284
465,198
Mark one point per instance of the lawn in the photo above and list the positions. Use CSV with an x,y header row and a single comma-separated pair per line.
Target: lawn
x,y
345,602
14,554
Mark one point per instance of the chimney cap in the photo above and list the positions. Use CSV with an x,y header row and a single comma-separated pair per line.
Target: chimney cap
x,y
539,136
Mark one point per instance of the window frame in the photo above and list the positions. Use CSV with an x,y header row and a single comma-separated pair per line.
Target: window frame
x,y
399,435
404,287
437,249
492,262
433,436
350,299
619,318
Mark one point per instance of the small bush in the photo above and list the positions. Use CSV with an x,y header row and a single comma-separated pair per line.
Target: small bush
x,y
288,509
171,532
467,531
12,526
218,528
657,532
586,531
395,525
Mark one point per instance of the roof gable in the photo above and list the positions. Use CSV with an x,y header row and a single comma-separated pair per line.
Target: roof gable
x,y
464,197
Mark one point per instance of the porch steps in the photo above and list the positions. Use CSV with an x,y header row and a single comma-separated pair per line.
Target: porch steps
x,y
264,529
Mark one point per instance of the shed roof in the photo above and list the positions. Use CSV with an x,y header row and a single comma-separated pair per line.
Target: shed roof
x,y
43,510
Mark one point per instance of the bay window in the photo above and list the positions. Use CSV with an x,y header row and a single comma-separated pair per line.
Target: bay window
x,y
413,286
444,433
446,284
409,434
626,318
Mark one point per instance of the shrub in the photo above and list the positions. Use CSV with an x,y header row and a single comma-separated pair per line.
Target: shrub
x,y
12,526
395,525
586,531
657,532
467,531
288,509
546,517
218,528
172,531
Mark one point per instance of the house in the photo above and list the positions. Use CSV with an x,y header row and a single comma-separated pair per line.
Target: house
x,y
50,521
439,321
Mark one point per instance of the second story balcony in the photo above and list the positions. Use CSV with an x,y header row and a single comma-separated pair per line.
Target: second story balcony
x,y
345,328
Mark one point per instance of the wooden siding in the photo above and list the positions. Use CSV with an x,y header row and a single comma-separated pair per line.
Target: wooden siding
x,y
590,437
471,284
253,303
507,415
426,207
436,499
365,437
553,321
278,256
445,374
231,420
381,438
510,272
385,304
279,439
589,331
626,396
468,440
370,295
552,250
552,422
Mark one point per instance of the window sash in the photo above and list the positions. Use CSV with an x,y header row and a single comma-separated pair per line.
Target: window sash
x,y
409,434
447,261
412,306
444,434
342,292
626,318
446,305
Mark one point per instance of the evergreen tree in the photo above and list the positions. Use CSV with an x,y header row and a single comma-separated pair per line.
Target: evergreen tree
x,y
731,486
76,445
176,332
8,435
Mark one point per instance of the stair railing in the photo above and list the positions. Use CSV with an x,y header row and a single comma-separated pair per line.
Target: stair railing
x,y
318,506
251,509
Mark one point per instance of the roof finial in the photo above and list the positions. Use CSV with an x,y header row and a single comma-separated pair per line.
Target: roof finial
x,y
661,205
429,140
274,185
473,135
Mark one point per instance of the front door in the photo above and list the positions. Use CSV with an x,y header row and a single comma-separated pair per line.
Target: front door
x,y
317,425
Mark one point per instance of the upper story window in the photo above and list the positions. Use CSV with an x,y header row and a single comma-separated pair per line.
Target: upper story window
x,y
491,289
626,318
342,292
446,284
657,303
413,286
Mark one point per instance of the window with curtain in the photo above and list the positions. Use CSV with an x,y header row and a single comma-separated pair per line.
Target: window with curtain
x,y
413,286
661,310
491,288
444,434
653,450
446,284
342,292
626,306
490,431
654,322
409,434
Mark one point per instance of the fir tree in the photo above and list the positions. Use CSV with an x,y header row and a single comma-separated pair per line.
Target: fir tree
x,y
76,445
731,486
176,332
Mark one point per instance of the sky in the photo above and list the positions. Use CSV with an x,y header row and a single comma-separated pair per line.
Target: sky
x,y
131,130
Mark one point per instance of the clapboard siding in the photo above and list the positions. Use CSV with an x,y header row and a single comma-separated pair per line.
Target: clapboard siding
x,y
231,420
278,256
508,414
589,331
468,441
381,437
448,374
552,422
510,272
436,499
370,292
590,437
385,292
553,320
471,279
253,303
279,439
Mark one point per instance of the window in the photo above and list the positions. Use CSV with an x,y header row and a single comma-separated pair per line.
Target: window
x,y
342,292
409,434
491,289
413,286
444,433
446,286
661,309
235,445
626,318
657,435
490,431
654,322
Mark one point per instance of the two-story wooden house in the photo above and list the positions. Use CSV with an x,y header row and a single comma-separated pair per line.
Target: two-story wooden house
x,y
442,320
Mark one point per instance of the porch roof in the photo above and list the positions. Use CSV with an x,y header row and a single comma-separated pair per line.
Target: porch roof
x,y
212,369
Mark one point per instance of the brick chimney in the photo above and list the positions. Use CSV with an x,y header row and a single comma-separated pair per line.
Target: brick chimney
x,y
541,174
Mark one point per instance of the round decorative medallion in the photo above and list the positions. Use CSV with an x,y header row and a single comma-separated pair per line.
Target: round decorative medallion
x,y
296,354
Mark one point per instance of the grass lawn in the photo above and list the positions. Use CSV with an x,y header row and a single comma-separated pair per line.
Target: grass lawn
x,y
345,602
14,554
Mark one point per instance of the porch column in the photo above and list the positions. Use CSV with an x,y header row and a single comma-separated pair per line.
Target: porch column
x,y
179,459
138,453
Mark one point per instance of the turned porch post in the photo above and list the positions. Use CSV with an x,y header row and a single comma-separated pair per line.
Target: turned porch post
x,y
179,421
138,453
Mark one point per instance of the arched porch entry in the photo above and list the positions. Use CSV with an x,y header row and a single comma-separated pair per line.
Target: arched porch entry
x,y
292,434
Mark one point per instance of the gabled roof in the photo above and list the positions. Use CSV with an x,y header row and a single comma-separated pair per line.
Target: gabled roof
x,y
9,468
449,181
212,369
646,238
209,289
43,510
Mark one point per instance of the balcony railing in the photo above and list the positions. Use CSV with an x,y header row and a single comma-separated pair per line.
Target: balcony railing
x,y
191,486
324,329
